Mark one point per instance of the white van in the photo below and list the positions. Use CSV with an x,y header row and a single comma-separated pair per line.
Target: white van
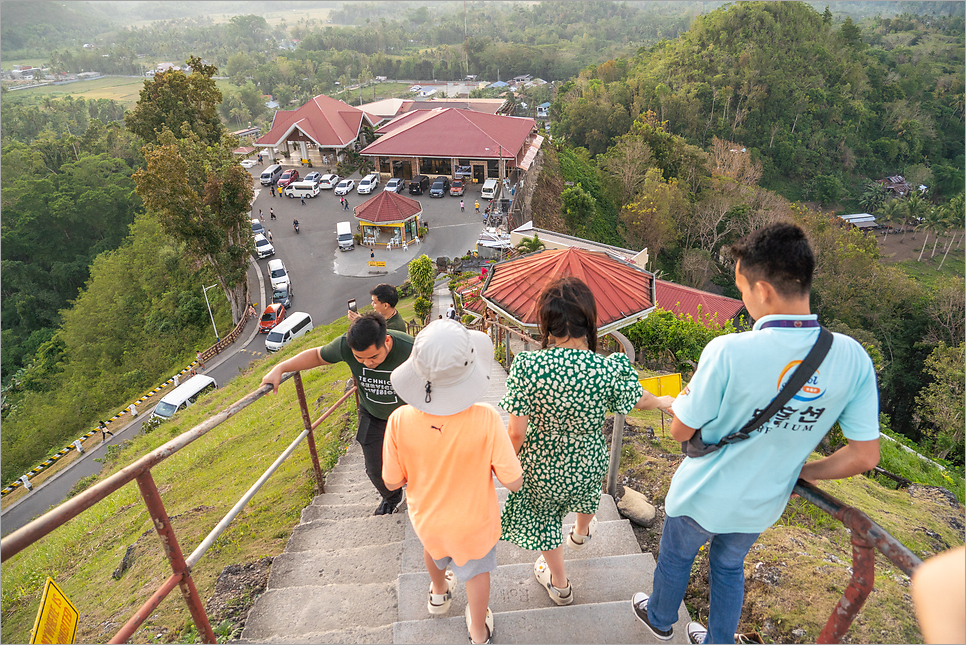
x,y
301,189
184,396
343,231
489,189
296,324
368,184
271,175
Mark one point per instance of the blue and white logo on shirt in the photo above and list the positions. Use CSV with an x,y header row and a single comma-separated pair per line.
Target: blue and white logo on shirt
x,y
811,391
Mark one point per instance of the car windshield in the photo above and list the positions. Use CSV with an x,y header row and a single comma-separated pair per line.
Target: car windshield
x,y
280,294
268,316
274,337
164,409
278,273
343,184
261,242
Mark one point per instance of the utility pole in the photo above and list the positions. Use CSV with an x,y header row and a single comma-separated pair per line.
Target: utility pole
x,y
466,63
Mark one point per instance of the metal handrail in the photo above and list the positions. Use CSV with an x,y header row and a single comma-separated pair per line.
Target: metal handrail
x,y
140,471
866,536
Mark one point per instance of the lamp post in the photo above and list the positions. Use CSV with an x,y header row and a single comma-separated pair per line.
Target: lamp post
x,y
205,289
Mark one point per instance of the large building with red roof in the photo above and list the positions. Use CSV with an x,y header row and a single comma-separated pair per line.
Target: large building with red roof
x,y
324,123
436,142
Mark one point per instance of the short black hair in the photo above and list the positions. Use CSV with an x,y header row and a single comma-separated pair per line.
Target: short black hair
x,y
366,331
780,255
567,309
386,294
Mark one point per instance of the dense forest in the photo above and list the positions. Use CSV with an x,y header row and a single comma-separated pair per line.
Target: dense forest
x,y
680,125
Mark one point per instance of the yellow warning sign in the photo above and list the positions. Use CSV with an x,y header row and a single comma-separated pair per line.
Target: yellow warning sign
x,y
57,619
376,263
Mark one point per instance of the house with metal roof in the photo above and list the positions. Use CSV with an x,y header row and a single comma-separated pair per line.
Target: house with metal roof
x,y
707,308
388,217
325,124
438,141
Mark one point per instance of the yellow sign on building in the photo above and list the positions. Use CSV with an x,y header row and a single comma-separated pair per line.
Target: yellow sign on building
x,y
57,619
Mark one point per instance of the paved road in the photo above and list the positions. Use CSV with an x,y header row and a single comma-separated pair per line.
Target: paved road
x,y
323,279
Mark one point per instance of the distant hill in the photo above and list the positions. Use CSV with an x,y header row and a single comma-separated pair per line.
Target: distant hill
x,y
44,25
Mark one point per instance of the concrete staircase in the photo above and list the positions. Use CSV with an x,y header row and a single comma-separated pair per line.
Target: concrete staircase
x,y
349,577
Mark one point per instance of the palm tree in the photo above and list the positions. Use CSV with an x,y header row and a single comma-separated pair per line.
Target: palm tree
x,y
530,244
953,212
891,213
932,220
915,207
874,197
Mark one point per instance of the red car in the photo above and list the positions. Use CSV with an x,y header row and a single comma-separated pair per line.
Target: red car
x,y
457,187
273,315
289,176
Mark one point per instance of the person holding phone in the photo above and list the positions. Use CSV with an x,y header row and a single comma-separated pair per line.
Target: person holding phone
x,y
384,300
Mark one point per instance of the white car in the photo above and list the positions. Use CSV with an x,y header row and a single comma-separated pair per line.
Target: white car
x,y
277,272
263,247
345,187
329,181
368,184
249,163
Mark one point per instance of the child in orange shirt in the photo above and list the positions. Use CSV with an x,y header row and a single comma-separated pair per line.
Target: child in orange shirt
x,y
444,447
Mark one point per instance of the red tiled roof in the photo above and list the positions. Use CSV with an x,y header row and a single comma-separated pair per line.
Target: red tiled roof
x,y
681,300
451,132
387,207
327,121
622,290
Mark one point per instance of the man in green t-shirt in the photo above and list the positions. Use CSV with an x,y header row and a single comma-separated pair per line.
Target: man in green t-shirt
x,y
372,353
384,300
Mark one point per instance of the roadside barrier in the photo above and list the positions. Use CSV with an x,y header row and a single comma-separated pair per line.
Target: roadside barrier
x,y
212,351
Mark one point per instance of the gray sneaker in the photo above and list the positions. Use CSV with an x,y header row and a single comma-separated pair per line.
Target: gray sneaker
x,y
639,605
697,633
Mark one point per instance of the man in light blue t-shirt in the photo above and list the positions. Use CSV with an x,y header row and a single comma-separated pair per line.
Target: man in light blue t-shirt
x,y
730,496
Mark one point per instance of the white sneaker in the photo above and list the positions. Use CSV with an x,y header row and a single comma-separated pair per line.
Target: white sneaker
x,y
697,633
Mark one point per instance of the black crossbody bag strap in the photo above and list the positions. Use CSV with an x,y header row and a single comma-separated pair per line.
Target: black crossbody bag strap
x,y
802,374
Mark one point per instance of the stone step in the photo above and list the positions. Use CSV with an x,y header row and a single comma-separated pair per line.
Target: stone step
x,y
381,634
513,587
292,612
351,458
312,513
609,622
345,477
329,535
361,565
612,538
361,495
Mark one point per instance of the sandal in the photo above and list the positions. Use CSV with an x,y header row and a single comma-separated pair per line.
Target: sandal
x,y
488,623
576,541
541,571
439,603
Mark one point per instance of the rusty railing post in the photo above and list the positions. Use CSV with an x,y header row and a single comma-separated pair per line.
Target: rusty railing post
x,y
307,422
152,499
860,586
617,434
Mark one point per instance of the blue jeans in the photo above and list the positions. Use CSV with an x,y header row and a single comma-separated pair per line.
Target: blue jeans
x,y
681,539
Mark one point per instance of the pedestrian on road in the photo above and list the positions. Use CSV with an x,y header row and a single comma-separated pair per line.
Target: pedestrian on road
x,y
259,159
271,191
461,206
103,428
269,235
251,310
372,254
342,200
345,204
476,204
201,363
260,218
271,214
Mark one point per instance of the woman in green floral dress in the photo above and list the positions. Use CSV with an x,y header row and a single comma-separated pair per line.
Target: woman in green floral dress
x,y
557,399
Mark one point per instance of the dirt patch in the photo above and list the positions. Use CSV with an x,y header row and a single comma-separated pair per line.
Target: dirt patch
x,y
236,590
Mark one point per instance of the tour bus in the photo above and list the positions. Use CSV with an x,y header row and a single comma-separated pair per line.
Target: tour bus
x,y
184,396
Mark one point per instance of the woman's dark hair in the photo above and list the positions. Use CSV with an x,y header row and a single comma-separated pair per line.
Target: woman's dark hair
x,y
566,309
366,331
780,255
386,294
